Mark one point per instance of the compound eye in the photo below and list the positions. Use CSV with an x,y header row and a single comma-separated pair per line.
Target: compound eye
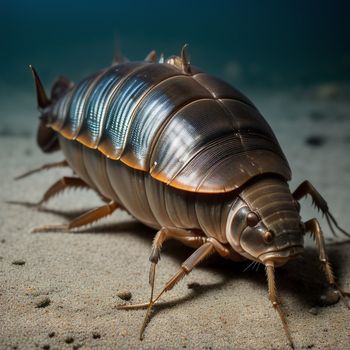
x,y
268,236
252,219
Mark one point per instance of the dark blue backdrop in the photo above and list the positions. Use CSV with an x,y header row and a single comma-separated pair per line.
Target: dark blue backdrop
x,y
265,43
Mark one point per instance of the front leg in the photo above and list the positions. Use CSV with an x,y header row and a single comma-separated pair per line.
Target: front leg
x,y
82,220
188,237
306,188
205,246
314,228
204,250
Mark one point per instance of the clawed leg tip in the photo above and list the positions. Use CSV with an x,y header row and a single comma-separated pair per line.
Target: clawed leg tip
x,y
25,204
132,306
344,295
48,229
20,177
36,230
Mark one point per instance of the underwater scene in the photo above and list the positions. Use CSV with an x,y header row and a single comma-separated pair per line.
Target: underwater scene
x,y
290,60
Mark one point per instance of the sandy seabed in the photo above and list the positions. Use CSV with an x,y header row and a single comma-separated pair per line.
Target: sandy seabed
x,y
59,290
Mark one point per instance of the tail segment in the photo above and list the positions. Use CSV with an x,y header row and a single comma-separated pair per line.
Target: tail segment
x,y
46,137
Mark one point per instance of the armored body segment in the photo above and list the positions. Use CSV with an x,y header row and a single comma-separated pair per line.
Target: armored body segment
x,y
152,115
148,200
73,152
75,113
97,104
220,89
96,166
276,206
218,169
186,134
192,132
60,111
121,111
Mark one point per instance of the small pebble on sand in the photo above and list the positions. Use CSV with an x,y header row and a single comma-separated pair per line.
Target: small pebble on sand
x,y
46,347
52,334
96,335
124,295
69,340
18,262
42,302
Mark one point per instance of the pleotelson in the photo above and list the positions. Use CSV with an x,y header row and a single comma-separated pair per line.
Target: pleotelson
x,y
189,131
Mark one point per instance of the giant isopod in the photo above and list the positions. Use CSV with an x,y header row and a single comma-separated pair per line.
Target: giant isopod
x,y
186,154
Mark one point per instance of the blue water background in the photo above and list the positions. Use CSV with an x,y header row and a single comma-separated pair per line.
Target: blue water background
x,y
249,43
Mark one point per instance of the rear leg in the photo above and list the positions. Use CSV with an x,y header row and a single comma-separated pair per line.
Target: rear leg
x,y
61,164
58,187
61,185
82,220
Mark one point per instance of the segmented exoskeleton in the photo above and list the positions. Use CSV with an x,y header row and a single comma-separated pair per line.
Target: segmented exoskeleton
x,y
186,154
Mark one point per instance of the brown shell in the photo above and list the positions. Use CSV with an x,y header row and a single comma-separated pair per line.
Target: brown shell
x,y
189,130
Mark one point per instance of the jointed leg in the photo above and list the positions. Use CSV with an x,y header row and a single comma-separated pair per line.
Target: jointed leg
x,y
164,234
82,220
270,271
307,188
60,186
217,246
187,266
60,164
187,237
206,247
314,228
199,255
202,252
